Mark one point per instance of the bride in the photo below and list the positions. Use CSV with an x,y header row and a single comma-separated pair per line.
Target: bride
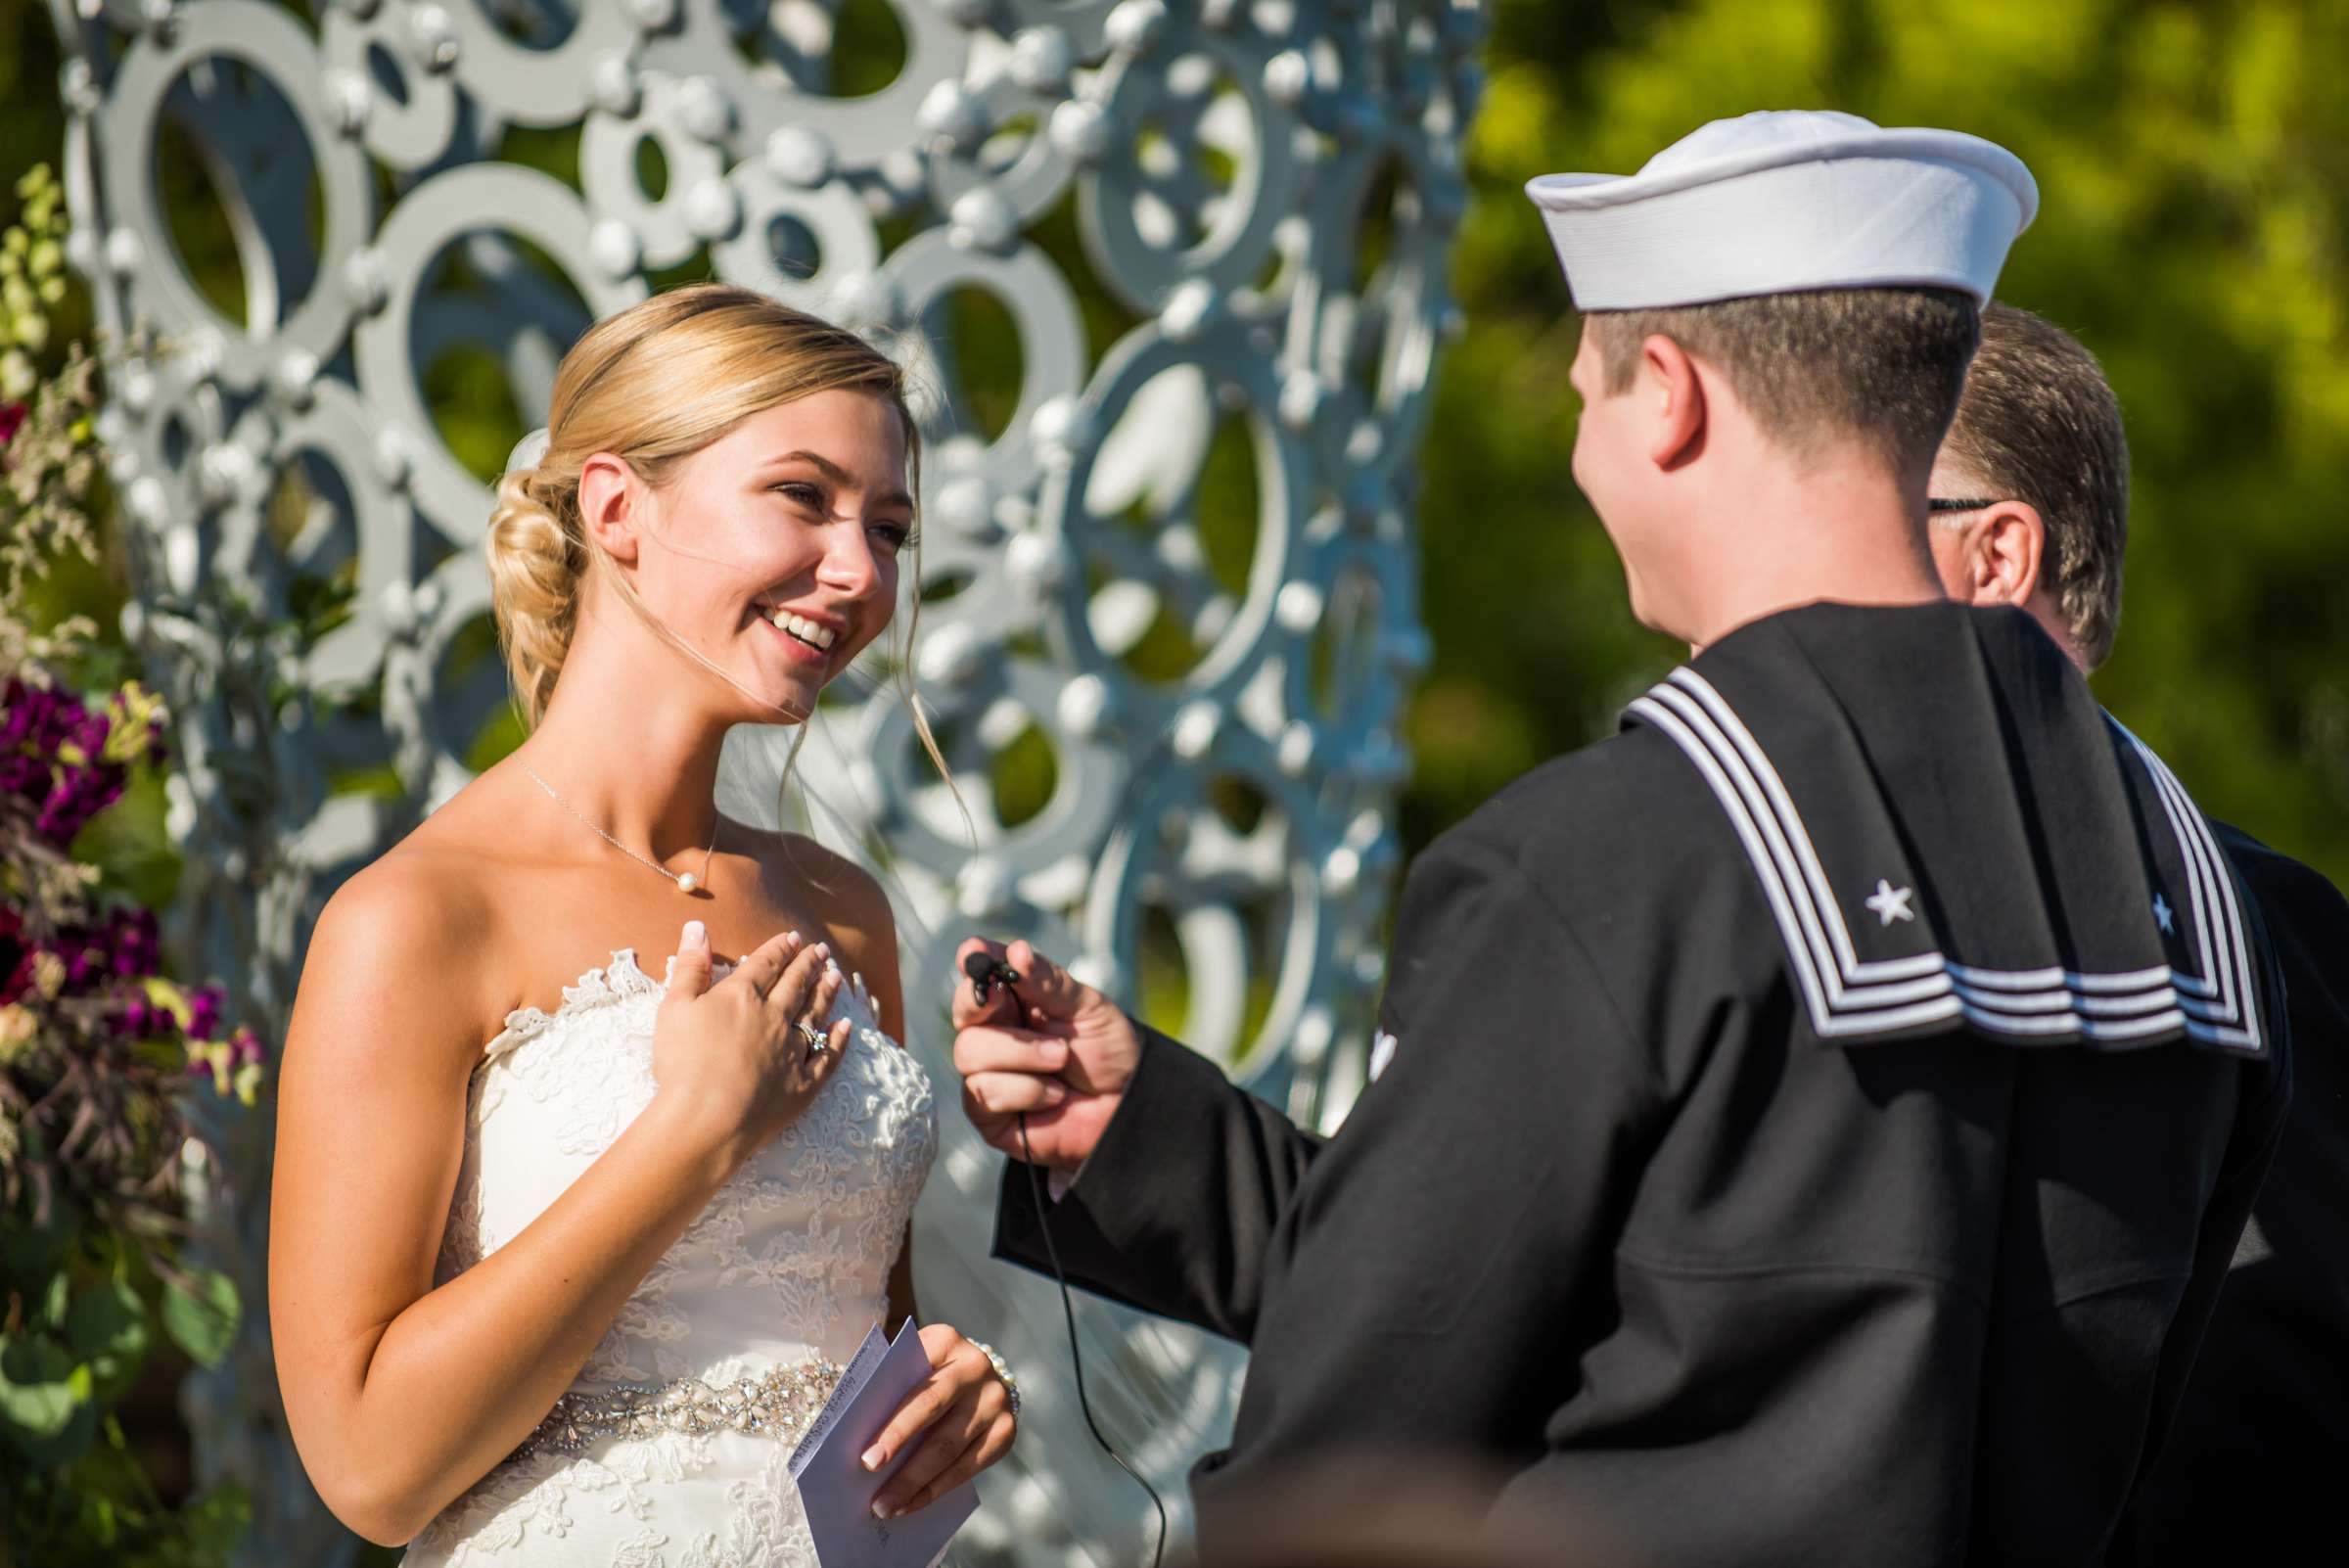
x,y
571,1295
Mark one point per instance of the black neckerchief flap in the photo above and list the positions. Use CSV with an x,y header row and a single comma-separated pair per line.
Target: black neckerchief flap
x,y
1950,832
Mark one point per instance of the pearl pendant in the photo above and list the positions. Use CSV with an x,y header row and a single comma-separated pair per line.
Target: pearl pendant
x,y
688,882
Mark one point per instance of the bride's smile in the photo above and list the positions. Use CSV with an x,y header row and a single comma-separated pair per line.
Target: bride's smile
x,y
498,1269
789,532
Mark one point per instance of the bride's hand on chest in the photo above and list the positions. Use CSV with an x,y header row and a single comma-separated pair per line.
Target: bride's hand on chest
x,y
745,1056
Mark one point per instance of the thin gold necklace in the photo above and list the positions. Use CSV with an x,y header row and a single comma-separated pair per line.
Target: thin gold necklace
x,y
686,881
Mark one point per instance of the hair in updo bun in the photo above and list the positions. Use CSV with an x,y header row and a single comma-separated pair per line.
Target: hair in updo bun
x,y
652,384
537,564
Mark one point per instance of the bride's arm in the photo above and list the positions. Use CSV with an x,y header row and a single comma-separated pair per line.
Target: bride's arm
x,y
400,1395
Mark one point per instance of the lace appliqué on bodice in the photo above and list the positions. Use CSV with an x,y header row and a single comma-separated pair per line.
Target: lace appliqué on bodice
x,y
790,1258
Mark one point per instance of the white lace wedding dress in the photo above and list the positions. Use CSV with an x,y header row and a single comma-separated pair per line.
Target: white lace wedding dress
x,y
788,1267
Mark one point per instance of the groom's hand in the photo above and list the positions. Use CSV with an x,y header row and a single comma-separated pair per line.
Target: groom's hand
x,y
1055,1049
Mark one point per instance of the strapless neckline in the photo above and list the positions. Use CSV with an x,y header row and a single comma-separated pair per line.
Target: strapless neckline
x,y
614,980
789,1260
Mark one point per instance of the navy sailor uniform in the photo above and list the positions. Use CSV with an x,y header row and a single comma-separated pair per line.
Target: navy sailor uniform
x,y
1819,1120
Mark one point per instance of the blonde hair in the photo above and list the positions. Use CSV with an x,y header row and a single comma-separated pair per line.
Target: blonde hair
x,y
652,384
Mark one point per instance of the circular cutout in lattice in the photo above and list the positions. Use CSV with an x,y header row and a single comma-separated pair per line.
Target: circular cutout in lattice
x,y
292,190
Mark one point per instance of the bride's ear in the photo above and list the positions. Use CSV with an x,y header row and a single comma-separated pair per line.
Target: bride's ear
x,y
610,501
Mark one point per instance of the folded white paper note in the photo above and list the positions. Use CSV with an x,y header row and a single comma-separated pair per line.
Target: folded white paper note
x,y
836,1491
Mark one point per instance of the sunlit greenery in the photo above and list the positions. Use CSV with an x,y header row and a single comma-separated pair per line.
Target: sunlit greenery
x,y
2193,163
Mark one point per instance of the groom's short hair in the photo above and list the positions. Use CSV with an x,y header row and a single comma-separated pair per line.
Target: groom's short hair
x,y
1882,365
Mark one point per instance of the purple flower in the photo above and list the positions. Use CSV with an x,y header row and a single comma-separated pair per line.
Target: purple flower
x,y
53,754
83,964
203,1013
137,943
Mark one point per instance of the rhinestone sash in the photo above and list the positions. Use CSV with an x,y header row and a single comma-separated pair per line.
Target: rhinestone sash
x,y
778,1403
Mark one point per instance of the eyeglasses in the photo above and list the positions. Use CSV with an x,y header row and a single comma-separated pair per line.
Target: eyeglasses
x,y
1946,503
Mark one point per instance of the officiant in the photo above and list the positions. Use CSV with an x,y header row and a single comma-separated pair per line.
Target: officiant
x,y
1813,1123
2031,499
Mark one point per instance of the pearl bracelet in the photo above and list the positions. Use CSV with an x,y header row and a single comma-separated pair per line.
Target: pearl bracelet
x,y
1011,1384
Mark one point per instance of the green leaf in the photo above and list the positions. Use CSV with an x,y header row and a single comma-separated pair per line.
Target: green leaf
x,y
100,1520
216,1524
108,1320
37,1392
50,1314
204,1326
107,1325
29,1254
111,1376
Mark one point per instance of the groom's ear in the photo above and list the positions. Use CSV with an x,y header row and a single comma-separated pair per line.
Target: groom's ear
x,y
1676,400
611,497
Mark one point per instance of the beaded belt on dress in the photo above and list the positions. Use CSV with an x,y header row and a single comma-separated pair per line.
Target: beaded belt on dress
x,y
778,1403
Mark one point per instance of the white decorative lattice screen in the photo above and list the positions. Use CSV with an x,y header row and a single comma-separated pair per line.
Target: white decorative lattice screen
x,y
1169,568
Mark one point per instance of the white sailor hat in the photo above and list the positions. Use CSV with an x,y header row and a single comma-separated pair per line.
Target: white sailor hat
x,y
1784,200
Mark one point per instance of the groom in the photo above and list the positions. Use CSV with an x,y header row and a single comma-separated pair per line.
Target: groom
x,y
1815,1121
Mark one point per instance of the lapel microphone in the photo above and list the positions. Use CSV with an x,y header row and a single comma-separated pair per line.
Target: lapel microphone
x,y
986,972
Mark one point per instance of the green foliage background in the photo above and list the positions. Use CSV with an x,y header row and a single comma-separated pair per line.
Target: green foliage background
x,y
2194,170
2193,163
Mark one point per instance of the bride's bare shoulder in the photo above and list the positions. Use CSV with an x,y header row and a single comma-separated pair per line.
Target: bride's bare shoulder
x,y
399,945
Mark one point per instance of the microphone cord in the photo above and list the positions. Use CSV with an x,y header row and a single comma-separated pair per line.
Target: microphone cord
x,y
1068,1309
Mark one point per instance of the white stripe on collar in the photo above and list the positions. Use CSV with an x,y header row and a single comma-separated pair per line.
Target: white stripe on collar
x,y
1848,998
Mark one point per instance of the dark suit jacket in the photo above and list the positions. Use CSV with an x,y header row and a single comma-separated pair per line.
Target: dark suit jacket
x,y
1719,1254
2253,1469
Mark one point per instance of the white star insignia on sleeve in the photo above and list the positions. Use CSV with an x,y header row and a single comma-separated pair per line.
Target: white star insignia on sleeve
x,y
1891,904
2163,912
